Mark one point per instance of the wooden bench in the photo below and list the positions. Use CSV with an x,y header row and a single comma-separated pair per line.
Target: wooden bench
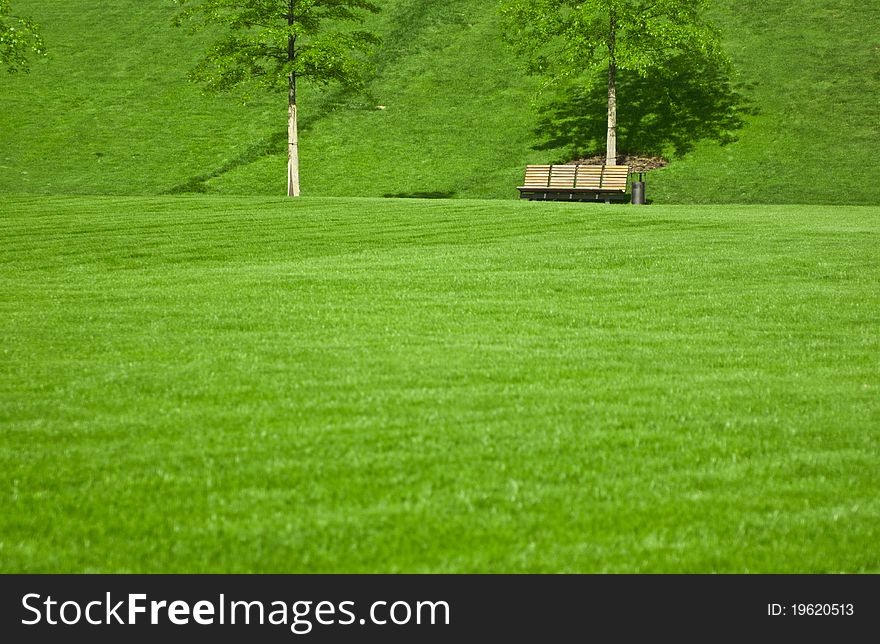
x,y
575,183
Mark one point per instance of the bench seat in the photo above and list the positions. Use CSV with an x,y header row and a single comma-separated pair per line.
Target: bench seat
x,y
575,182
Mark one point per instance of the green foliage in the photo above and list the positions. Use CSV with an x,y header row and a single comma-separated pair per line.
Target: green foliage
x,y
19,38
216,384
575,39
570,37
270,41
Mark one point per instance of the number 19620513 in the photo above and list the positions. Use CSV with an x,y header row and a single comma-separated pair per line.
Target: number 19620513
x,y
824,610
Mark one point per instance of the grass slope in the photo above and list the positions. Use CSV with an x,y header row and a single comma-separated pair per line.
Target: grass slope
x,y
812,73
110,111
226,384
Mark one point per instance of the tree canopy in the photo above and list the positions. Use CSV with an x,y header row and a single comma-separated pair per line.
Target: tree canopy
x,y
575,38
569,37
19,39
269,41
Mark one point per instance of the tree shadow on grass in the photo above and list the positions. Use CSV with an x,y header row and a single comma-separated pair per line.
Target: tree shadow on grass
x,y
276,143
420,195
267,147
668,112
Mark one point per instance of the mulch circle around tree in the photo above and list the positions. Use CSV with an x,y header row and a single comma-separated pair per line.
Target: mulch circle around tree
x,y
636,163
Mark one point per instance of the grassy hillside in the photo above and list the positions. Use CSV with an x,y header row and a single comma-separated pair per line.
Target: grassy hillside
x,y
222,384
110,111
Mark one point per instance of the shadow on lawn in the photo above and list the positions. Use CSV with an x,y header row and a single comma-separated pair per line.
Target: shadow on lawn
x,y
420,195
268,146
667,112
276,143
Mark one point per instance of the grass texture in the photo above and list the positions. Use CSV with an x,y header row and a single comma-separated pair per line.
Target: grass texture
x,y
448,113
218,384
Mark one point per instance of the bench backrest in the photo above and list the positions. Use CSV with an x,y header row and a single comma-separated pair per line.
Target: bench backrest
x,y
604,178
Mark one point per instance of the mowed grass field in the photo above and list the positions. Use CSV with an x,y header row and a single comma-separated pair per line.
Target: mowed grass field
x,y
250,385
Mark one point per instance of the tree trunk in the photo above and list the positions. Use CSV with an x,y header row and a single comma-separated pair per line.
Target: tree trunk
x,y
292,135
611,145
292,142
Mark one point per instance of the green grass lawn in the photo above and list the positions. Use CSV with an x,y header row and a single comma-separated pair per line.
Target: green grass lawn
x,y
251,385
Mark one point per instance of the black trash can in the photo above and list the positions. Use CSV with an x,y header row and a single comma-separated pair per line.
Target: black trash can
x,y
638,190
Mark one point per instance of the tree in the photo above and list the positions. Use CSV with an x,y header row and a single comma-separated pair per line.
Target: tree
x,y
19,38
273,44
567,38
